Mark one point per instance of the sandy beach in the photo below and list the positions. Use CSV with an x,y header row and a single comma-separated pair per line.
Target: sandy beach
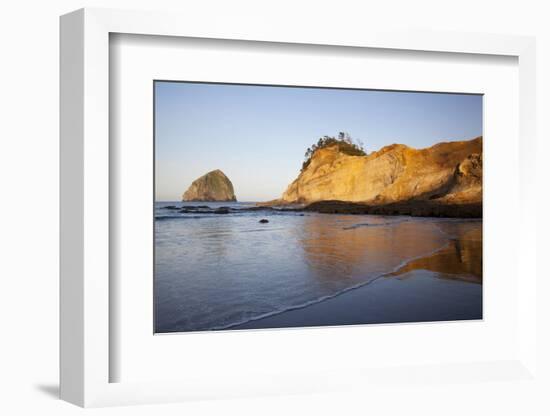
x,y
418,296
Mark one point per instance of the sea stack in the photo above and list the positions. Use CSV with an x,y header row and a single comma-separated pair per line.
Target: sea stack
x,y
213,186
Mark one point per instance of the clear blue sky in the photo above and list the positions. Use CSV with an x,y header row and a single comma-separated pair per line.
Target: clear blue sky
x,y
257,135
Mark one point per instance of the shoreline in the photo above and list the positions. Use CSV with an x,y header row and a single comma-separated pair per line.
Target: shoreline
x,y
386,300
413,208
416,208
438,271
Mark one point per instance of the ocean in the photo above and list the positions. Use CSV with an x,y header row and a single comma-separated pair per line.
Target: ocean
x,y
216,271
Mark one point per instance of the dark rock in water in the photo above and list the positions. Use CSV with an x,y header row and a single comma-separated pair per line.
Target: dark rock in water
x,y
204,209
170,207
257,208
415,208
263,221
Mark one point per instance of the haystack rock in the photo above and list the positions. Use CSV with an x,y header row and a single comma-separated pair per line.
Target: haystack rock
x,y
213,186
448,172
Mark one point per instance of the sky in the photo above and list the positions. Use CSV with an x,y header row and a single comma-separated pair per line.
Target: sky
x,y
257,135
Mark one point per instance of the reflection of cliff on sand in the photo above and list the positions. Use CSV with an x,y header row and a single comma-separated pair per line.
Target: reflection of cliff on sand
x,y
461,259
334,251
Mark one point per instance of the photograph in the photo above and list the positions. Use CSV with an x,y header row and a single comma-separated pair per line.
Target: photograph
x,y
296,206
275,208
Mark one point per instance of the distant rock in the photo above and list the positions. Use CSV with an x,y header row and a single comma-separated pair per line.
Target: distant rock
x,y
213,186
263,221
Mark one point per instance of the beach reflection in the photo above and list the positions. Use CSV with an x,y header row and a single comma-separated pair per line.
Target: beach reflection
x,y
461,259
336,252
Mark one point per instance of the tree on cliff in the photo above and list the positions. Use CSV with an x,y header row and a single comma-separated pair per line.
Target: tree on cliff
x,y
346,144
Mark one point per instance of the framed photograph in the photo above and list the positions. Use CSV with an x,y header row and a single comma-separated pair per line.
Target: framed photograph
x,y
245,214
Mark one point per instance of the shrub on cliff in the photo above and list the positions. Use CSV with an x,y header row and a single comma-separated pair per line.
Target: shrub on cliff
x,y
344,142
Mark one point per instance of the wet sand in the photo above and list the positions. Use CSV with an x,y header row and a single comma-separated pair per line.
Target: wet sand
x,y
446,285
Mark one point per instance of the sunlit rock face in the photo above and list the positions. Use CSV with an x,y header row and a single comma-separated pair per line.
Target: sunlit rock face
x,y
447,172
213,186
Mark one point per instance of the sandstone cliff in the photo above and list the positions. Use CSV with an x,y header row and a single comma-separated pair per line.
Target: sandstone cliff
x,y
446,173
213,186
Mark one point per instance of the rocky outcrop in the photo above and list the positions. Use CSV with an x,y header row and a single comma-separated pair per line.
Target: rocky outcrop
x,y
446,173
213,186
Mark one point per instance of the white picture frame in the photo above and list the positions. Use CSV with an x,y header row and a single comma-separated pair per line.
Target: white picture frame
x,y
85,219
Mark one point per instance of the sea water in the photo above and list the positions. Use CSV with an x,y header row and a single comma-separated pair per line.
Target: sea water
x,y
215,271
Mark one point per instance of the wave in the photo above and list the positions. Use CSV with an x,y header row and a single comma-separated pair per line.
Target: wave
x,y
381,224
231,213
179,217
327,297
